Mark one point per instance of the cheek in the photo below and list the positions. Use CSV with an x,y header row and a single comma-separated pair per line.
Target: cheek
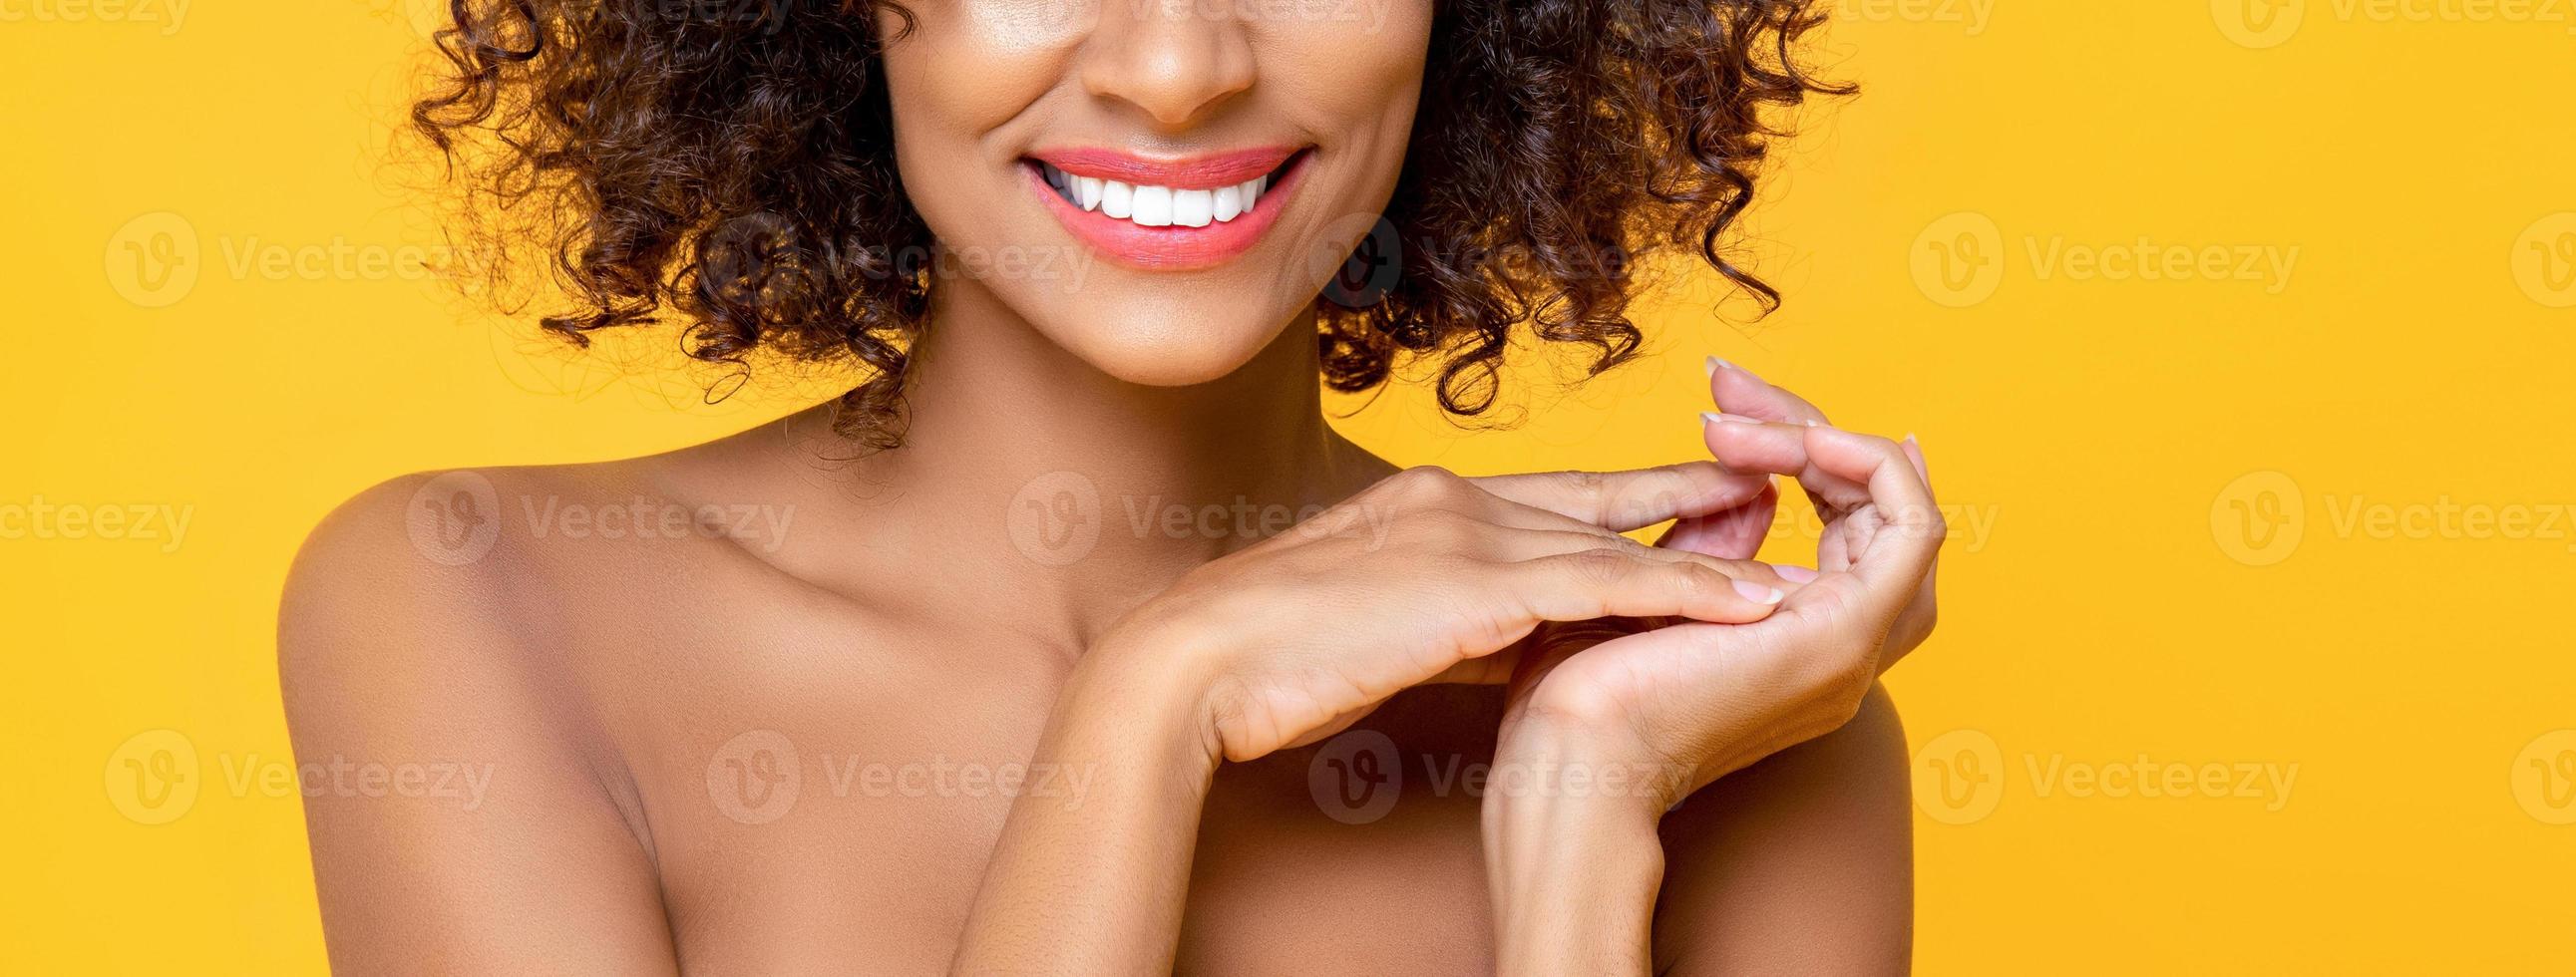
x,y
1362,57
967,69
1356,75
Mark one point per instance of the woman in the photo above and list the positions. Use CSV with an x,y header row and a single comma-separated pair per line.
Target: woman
x,y
931,677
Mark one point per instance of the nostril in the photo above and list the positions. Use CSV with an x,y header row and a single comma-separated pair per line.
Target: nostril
x,y
1174,69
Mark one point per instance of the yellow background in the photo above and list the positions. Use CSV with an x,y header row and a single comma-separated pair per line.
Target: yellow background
x,y
2107,603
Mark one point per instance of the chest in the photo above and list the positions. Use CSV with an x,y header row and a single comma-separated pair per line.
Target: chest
x,y
847,816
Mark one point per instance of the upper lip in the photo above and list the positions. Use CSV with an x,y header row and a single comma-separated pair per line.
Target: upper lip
x,y
1200,172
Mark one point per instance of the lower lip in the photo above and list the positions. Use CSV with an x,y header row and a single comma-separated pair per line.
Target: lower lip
x,y
1173,248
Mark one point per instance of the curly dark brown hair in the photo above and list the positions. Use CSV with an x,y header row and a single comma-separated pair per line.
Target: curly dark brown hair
x,y
706,158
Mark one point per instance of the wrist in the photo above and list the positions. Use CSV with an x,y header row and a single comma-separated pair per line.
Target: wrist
x,y
1149,688
1542,763
1573,882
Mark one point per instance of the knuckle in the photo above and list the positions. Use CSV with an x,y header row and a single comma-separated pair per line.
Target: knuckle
x,y
1602,566
1426,481
1589,491
1693,581
1888,452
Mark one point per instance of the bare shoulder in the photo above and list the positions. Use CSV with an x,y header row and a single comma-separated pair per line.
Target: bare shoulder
x,y
1802,863
405,624
456,805
467,554
421,555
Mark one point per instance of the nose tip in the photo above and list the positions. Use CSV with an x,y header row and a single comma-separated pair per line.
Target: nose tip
x,y
1174,62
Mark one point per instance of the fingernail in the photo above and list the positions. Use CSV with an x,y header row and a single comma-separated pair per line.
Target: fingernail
x,y
1711,418
1719,363
1909,439
1794,573
1737,418
1757,593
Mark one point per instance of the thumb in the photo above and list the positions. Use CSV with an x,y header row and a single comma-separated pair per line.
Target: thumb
x,y
1732,534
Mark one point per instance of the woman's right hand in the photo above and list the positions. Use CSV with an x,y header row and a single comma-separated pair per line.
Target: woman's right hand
x,y
1425,577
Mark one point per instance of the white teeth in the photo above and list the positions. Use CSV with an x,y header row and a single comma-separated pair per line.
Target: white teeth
x,y
1193,208
1153,207
1156,206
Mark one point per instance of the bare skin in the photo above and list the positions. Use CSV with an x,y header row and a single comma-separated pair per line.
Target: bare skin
x,y
886,628
602,677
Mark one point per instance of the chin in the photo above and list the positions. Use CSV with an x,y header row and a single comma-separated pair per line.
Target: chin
x,y
1171,351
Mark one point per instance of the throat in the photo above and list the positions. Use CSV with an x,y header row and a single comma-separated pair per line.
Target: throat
x,y
1048,484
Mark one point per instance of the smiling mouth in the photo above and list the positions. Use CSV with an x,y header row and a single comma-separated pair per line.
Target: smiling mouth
x,y
1167,215
1159,205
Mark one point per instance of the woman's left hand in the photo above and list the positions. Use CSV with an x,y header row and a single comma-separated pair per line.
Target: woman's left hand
x,y
1609,726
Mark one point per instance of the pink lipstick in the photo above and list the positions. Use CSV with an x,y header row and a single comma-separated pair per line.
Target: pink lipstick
x,y
1178,214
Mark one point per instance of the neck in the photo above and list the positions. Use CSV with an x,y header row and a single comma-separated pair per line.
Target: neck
x,y
1016,445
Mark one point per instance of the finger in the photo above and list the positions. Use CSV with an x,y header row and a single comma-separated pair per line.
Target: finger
x,y
1622,501
1749,445
1734,534
1737,391
1598,583
1900,547
1916,623
1574,538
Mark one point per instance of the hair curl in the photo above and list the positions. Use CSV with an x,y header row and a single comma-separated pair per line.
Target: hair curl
x,y
719,161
